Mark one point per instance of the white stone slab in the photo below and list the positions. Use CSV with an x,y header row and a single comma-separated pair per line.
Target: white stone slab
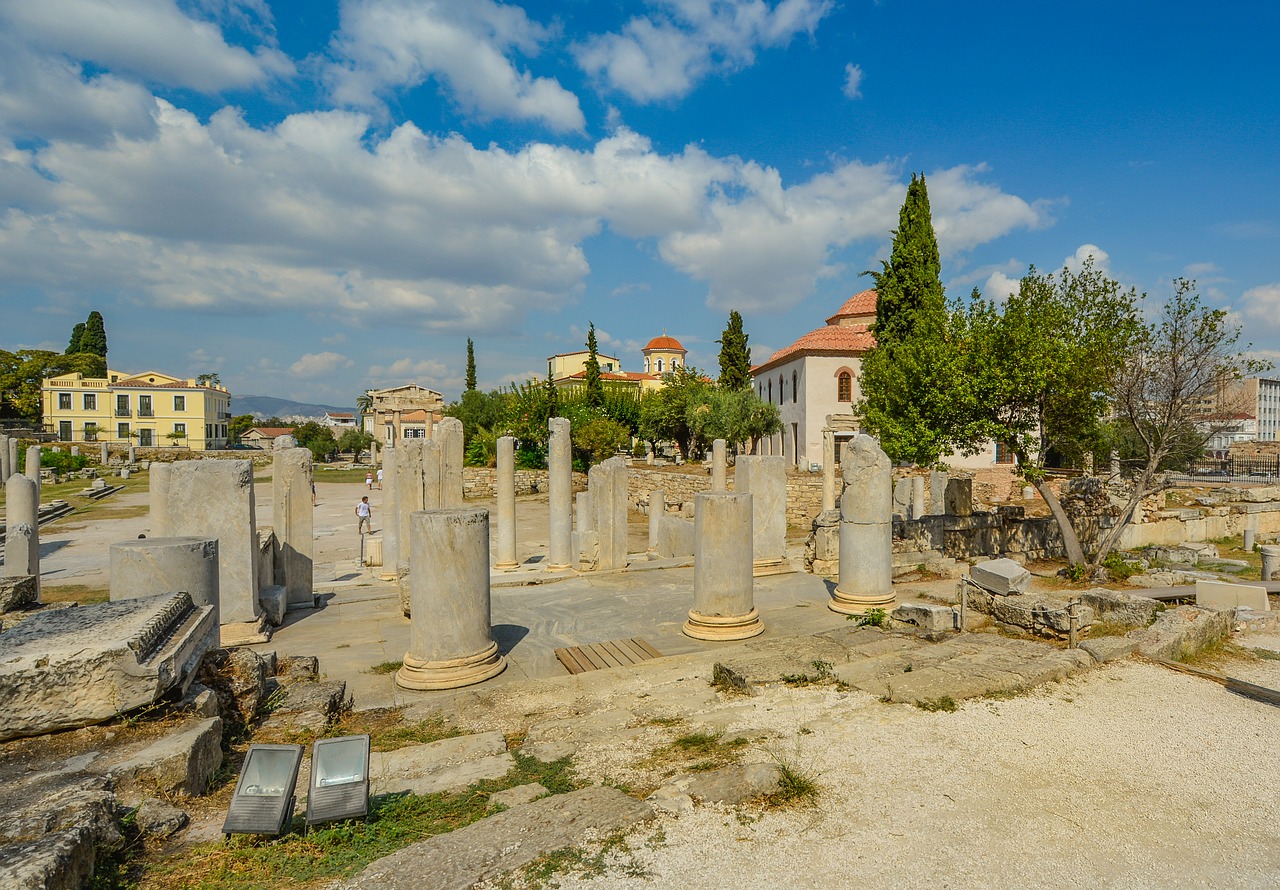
x,y
1221,595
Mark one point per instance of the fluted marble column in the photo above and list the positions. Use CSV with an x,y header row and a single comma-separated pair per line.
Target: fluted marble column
x,y
506,484
560,495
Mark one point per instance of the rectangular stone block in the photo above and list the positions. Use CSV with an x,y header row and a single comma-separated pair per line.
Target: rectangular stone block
x,y
274,600
765,479
1000,576
675,537
215,499
959,497
17,591
1221,595
292,520
607,485
927,617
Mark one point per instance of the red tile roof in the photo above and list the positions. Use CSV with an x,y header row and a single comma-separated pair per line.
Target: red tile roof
x,y
670,344
419,415
833,339
270,432
862,303
620,376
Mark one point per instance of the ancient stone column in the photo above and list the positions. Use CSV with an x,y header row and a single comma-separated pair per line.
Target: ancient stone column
x,y
4,459
409,500
765,479
75,450
13,457
719,469
828,470
917,497
433,473
293,519
560,492
866,530
133,454
723,596
152,566
608,484
22,529
1250,538
158,478
390,512
33,467
937,493
214,499
451,457
506,484
1271,563
450,636
104,456
657,509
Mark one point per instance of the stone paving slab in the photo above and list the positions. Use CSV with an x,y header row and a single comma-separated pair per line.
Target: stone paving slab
x,y
498,845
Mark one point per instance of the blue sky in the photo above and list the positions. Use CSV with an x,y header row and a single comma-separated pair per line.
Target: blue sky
x,y
314,198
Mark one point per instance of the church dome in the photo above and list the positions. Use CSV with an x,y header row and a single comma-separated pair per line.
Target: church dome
x,y
664,343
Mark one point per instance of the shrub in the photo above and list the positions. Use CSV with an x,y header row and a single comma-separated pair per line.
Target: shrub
x,y
62,461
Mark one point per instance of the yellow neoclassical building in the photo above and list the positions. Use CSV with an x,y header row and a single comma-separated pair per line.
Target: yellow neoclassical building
x,y
148,409
661,354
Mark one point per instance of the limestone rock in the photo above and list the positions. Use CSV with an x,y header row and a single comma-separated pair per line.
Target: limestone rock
x,y
179,763
240,678
299,667
66,668
670,799
513,797
53,830
17,592
1183,631
1105,649
309,706
159,819
734,784
1000,576
927,618
492,847
274,600
446,765
1121,607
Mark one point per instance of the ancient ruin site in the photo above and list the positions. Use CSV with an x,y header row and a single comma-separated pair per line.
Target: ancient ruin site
x,y
648,675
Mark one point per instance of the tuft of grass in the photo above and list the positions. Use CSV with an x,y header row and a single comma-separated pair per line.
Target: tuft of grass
x,y
876,617
725,680
386,667
795,787
699,751
822,673
1107,629
942,703
582,862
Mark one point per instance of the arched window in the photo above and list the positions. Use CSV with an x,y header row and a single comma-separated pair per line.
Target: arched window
x,y
646,364
782,389
844,387
771,390
795,376
659,366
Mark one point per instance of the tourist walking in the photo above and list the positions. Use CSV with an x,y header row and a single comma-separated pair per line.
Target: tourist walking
x,y
364,511
379,478
368,480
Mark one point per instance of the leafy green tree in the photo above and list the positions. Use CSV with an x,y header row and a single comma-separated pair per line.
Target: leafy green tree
x,y
528,409
600,439
175,437
911,281
94,338
77,334
471,366
591,376
735,356
355,441
364,402
317,437
22,374
238,426
735,415
1184,359
212,378
664,413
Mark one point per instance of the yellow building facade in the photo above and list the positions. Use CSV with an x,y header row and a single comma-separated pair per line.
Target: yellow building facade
x,y
662,354
149,410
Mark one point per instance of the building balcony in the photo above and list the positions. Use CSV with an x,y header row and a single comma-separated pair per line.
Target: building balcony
x,y
123,412
146,412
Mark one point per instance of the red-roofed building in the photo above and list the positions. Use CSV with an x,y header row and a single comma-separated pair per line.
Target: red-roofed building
x,y
661,354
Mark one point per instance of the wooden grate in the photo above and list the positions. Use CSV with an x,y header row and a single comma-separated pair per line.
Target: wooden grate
x,y
610,654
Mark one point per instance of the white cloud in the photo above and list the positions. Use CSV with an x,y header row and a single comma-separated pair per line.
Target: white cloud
x,y
1196,270
852,81
668,52
153,39
1261,306
428,372
1101,259
334,339
1000,287
389,45
316,363
968,212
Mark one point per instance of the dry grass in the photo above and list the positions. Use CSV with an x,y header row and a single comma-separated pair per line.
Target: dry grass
x,y
84,594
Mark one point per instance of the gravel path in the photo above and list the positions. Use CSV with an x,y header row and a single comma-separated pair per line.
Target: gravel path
x,y
1130,776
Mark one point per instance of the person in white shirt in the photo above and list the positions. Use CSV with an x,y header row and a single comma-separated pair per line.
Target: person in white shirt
x,y
364,510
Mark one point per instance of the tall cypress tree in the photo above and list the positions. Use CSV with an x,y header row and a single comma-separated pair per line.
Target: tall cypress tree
x,y
77,334
471,365
911,280
735,357
595,388
94,338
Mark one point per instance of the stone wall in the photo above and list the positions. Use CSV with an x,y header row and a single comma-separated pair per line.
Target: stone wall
x,y
481,482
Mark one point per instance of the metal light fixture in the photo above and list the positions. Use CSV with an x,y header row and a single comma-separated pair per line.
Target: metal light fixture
x,y
339,779
264,798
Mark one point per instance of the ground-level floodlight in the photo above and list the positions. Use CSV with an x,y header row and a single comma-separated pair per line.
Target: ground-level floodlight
x,y
339,779
263,801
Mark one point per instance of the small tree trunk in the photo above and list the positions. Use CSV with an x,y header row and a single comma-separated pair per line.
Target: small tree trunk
x,y
1075,552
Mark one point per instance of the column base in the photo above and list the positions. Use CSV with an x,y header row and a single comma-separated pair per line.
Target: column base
x,y
558,567
718,628
451,673
847,604
506,566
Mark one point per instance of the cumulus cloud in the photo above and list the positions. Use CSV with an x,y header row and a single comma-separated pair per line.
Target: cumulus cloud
x,y
152,39
428,372
852,81
1000,287
1101,259
387,45
1261,306
1196,270
666,53
316,363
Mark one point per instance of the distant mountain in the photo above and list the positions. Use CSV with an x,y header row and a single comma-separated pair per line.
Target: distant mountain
x,y
267,406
